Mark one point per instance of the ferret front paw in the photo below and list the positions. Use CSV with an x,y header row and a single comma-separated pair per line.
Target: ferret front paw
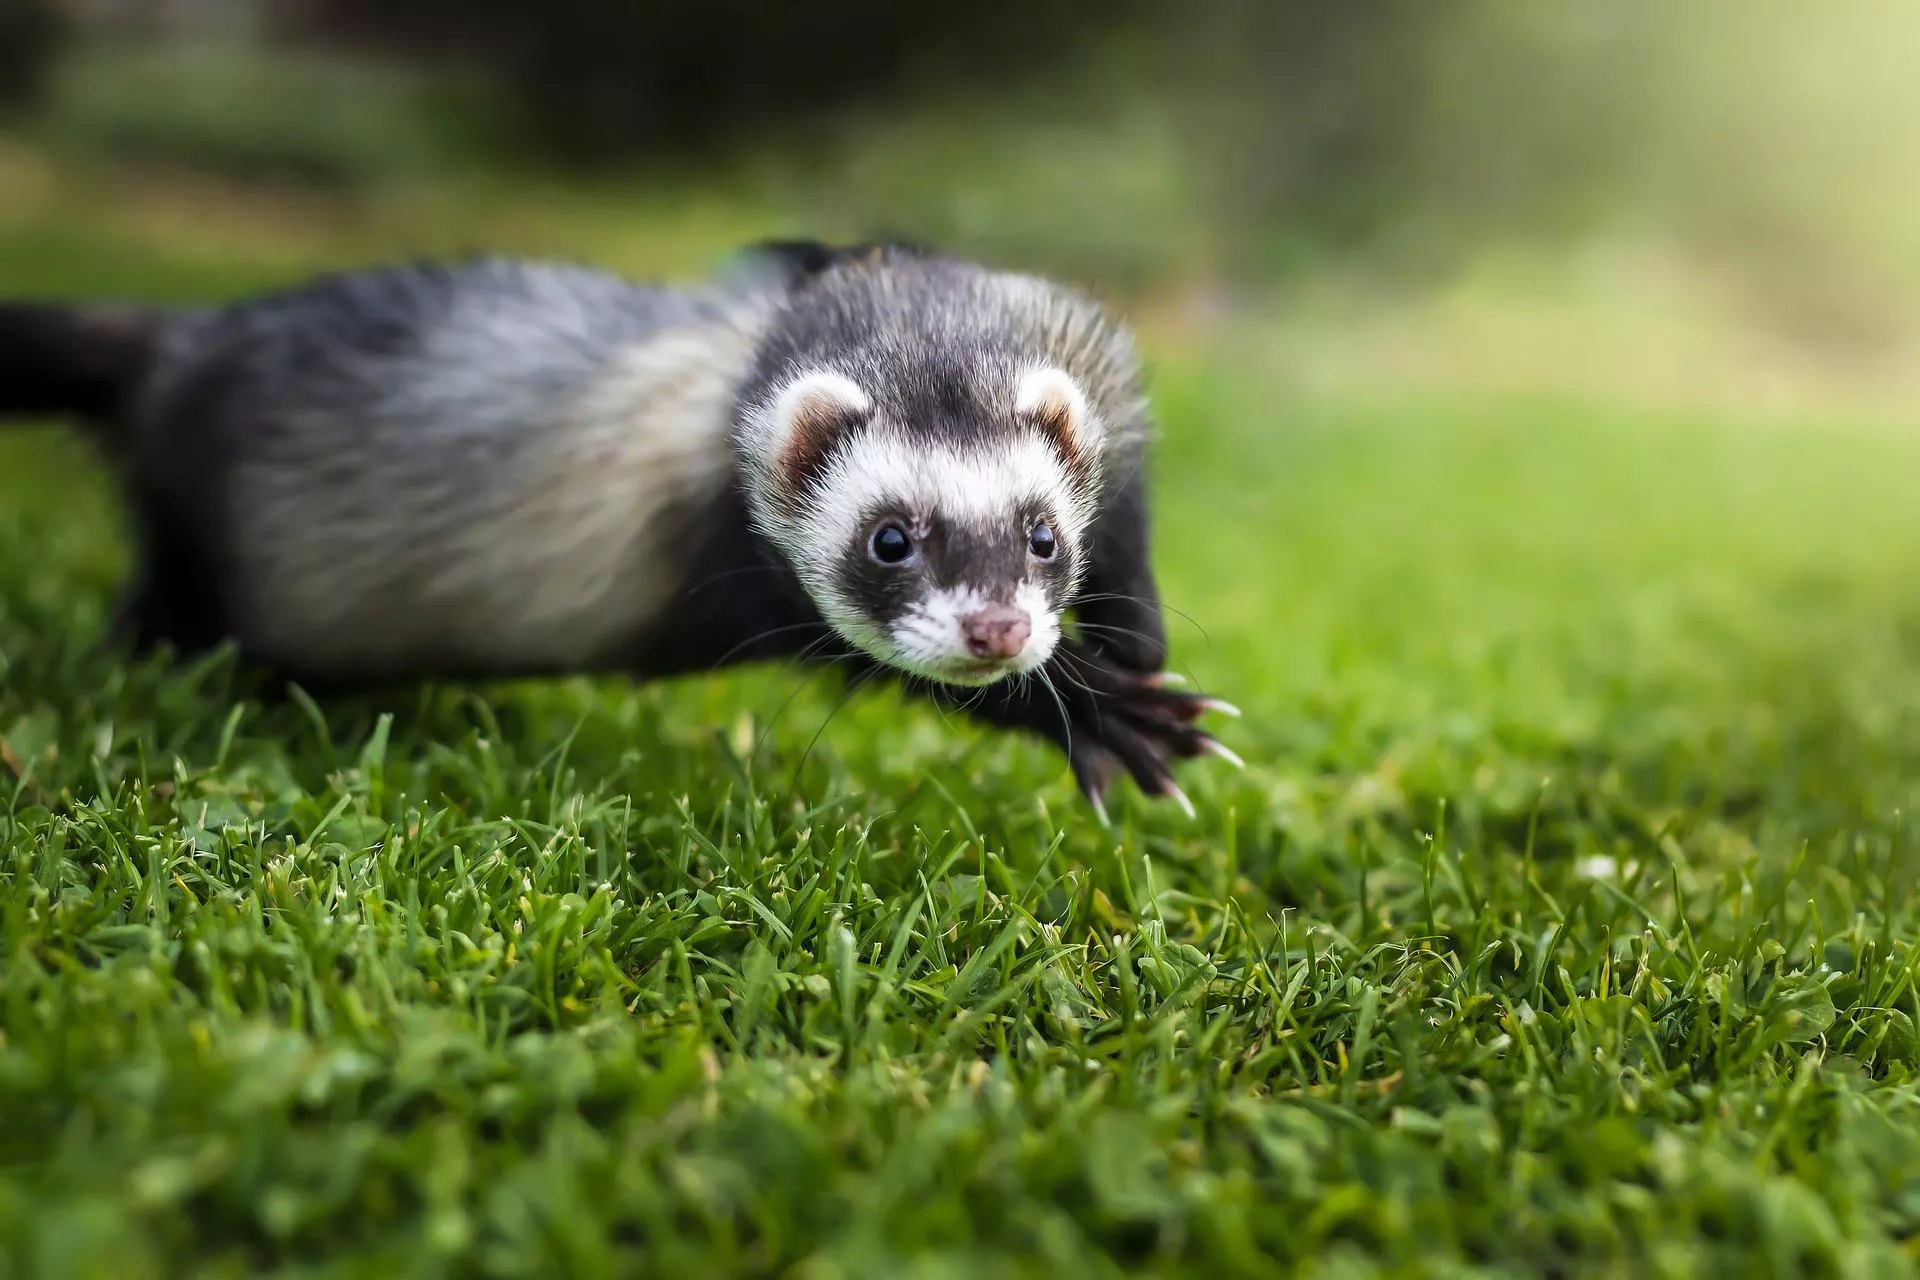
x,y
1120,721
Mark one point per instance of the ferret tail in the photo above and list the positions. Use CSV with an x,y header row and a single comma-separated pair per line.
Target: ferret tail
x,y
77,361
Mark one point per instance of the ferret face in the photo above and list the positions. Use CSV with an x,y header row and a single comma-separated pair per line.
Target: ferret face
x,y
944,550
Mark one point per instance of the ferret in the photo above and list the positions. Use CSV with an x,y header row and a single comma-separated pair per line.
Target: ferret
x,y
872,454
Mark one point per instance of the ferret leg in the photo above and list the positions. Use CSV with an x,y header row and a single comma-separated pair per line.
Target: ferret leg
x,y
1119,603
1107,719
172,599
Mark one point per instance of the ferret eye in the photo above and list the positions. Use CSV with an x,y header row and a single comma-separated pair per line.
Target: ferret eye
x,y
1041,541
891,544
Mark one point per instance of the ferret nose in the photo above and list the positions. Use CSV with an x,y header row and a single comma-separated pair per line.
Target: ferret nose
x,y
997,631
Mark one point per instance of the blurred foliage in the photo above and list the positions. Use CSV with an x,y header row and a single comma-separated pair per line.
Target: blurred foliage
x,y
606,80
1136,144
31,34
1290,111
262,114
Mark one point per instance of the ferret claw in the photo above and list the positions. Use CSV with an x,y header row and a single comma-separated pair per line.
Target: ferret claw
x,y
1099,809
1224,708
1179,797
1213,746
1163,679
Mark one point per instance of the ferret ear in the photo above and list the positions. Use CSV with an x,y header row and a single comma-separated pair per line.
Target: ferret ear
x,y
1052,402
812,415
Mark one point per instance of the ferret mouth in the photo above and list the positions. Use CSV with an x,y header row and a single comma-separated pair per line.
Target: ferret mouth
x,y
964,671
980,671
967,670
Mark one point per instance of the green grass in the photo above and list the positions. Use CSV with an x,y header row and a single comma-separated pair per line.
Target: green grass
x,y
1565,918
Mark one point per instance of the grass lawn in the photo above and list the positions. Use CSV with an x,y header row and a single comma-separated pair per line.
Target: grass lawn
x,y
1565,917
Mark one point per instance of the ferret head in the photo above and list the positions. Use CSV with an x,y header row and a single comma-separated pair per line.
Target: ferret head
x,y
935,504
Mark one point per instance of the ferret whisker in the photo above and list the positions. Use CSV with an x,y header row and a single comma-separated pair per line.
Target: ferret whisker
x,y
730,573
1093,695
1146,604
1109,629
1066,721
1083,686
1128,632
802,686
859,682
936,693
768,634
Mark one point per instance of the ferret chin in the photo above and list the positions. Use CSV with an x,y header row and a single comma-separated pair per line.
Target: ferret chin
x,y
869,454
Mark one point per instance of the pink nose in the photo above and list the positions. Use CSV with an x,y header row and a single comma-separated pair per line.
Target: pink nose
x,y
997,631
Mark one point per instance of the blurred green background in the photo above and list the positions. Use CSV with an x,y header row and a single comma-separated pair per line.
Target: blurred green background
x,y
1721,195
